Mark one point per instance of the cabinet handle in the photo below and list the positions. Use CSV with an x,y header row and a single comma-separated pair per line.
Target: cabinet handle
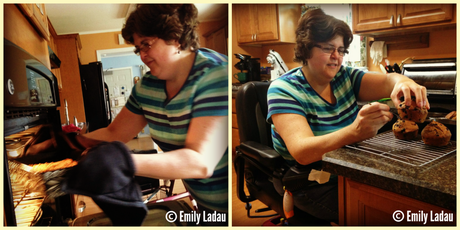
x,y
391,19
255,37
398,21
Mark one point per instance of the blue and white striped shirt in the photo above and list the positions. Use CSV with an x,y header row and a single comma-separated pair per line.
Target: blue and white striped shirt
x,y
205,93
291,93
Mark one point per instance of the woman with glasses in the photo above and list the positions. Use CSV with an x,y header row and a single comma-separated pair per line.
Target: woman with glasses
x,y
184,101
313,108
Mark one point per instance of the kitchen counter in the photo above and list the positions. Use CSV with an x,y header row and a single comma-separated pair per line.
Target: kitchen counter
x,y
433,183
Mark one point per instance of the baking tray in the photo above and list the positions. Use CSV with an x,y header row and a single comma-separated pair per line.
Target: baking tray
x,y
414,153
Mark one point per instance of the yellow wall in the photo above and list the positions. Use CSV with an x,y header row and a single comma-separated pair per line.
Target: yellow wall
x,y
92,42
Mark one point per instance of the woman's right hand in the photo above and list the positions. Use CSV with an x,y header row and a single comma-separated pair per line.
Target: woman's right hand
x,y
370,119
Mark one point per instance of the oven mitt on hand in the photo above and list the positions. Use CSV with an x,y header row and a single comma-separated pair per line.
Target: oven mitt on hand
x,y
106,174
47,145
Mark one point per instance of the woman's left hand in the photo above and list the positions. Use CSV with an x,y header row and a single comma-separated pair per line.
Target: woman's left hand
x,y
407,87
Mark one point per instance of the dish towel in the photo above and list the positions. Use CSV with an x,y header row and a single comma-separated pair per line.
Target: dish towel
x,y
106,174
378,52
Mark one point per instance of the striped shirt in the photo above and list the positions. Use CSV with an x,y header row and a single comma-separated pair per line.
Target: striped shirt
x,y
205,93
292,93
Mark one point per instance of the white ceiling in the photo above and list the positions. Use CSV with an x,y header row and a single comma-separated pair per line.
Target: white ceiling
x,y
100,18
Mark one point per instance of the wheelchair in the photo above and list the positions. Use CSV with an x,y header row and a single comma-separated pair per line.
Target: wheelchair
x,y
258,166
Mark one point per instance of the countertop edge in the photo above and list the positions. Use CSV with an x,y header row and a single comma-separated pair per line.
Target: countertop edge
x,y
368,176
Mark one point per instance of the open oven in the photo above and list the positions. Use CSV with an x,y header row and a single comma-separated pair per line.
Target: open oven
x,y
31,99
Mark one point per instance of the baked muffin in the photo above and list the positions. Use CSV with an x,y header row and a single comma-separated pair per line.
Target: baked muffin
x,y
405,129
452,115
436,134
412,112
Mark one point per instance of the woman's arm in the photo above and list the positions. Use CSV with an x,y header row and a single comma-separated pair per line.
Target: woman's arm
x,y
375,86
124,127
206,143
307,148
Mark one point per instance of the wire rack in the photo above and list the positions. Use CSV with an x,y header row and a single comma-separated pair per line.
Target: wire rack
x,y
414,153
28,194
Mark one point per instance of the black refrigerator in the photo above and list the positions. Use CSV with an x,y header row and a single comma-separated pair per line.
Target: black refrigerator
x,y
95,96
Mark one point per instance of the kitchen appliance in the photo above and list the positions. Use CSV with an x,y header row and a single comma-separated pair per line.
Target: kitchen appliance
x,y
279,67
95,96
25,202
249,65
31,99
439,78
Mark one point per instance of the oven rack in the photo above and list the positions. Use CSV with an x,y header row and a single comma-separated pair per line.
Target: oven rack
x,y
414,153
28,194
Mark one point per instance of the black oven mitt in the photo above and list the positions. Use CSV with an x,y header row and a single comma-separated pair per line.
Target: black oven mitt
x,y
106,174
49,145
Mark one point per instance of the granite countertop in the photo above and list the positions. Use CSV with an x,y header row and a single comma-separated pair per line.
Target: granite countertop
x,y
433,183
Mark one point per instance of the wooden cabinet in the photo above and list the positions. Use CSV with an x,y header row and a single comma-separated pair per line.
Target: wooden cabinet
x,y
36,13
18,29
235,131
365,205
266,23
69,47
369,18
52,45
217,40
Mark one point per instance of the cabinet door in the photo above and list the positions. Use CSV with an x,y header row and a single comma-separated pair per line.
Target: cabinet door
x,y
373,16
414,14
267,22
218,41
246,22
366,205
37,15
41,20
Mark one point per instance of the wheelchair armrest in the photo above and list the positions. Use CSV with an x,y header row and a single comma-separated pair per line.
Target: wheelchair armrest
x,y
297,176
264,154
257,155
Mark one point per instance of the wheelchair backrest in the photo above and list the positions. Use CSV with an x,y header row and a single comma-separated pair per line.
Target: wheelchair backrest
x,y
251,111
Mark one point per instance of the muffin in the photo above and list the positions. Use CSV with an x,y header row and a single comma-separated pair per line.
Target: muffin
x,y
405,129
452,115
436,134
412,112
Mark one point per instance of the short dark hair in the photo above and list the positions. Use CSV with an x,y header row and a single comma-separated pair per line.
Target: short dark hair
x,y
315,26
166,21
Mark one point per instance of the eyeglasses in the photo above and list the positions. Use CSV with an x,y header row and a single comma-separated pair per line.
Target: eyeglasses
x,y
330,50
144,47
